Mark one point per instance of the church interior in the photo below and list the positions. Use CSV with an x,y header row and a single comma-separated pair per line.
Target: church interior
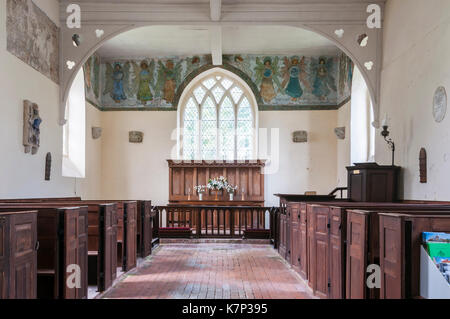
x,y
222,149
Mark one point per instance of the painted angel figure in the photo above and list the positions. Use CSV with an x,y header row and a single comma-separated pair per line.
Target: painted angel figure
x,y
118,82
115,78
294,72
144,77
266,75
169,77
322,78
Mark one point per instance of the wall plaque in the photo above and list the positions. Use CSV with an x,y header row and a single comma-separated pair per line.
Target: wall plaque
x,y
423,165
136,137
340,132
439,104
48,166
300,137
31,127
96,132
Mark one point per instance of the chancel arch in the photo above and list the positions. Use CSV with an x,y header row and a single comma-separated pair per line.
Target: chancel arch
x,y
336,23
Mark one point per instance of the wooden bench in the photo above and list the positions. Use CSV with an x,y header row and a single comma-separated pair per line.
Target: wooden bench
x,y
63,235
126,238
127,212
18,256
289,202
363,248
155,225
102,240
400,241
327,233
144,228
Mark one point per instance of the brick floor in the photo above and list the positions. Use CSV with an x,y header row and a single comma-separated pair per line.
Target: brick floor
x,y
216,271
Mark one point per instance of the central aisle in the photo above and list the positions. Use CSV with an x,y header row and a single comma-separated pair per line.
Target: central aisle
x,y
212,271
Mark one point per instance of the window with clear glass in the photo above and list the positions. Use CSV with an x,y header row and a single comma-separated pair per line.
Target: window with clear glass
x,y
218,121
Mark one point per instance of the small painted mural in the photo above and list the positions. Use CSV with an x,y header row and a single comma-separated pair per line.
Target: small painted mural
x,y
279,82
33,37
92,79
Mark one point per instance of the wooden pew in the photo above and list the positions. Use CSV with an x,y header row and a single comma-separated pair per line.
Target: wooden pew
x,y
63,240
363,248
18,256
155,225
127,212
400,241
327,234
290,204
283,234
127,215
102,240
102,245
144,228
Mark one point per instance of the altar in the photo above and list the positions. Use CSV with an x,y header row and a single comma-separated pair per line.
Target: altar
x,y
247,176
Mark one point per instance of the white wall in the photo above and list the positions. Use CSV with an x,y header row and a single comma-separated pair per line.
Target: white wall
x,y
22,175
90,187
343,146
140,171
137,171
416,61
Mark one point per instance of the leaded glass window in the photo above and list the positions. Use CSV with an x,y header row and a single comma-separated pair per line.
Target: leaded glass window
x,y
244,130
218,121
191,130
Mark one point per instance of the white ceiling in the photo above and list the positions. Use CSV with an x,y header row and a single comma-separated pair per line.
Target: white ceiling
x,y
190,40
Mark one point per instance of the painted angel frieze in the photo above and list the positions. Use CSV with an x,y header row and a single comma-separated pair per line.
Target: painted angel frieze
x,y
321,77
267,77
294,74
169,78
144,80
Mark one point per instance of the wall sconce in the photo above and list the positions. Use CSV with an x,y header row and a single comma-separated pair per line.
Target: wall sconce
x,y
385,133
76,40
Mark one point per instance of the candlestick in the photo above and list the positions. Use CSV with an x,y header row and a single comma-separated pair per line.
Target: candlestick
x,y
385,121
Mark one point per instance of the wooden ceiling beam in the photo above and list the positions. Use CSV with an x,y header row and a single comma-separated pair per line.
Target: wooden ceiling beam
x,y
216,44
216,10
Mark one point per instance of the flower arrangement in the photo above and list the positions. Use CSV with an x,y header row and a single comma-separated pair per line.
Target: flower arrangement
x,y
230,188
200,189
217,184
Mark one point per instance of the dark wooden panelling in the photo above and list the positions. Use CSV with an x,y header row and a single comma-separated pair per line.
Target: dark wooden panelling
x,y
246,175
357,240
18,256
370,182
294,211
130,253
145,228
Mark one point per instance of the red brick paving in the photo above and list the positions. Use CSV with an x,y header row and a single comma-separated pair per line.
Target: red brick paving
x,y
212,271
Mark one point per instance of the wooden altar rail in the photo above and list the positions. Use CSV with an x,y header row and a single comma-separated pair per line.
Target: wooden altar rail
x,y
214,221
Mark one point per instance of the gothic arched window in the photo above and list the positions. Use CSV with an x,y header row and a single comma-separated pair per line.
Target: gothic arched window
x,y
218,119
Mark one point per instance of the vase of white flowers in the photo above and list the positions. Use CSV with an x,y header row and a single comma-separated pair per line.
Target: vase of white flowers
x,y
230,190
200,190
216,185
